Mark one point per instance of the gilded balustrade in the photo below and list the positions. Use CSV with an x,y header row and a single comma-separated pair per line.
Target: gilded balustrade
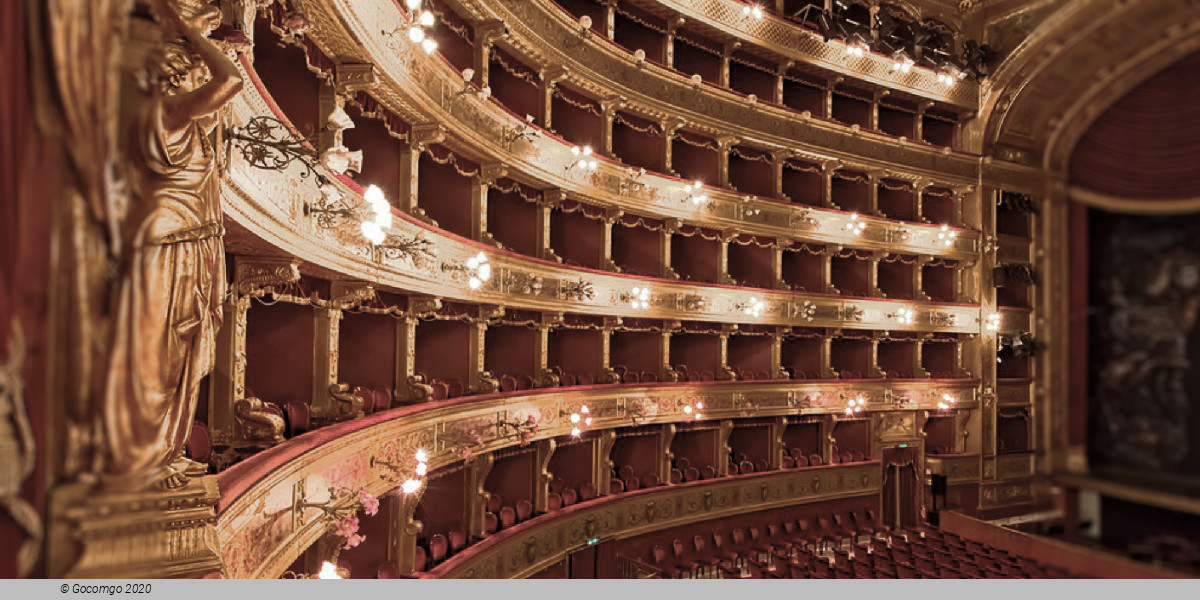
x,y
354,33
261,533
535,546
789,40
270,205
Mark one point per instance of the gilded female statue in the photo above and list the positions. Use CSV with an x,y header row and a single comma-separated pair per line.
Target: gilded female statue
x,y
172,278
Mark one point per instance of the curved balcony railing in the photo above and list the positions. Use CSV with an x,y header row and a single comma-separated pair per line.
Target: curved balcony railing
x,y
261,531
270,205
535,544
354,31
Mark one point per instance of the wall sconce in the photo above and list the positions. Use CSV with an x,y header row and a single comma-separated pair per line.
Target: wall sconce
x,y
754,307
992,323
695,194
413,477
639,56
479,271
585,24
855,406
631,183
484,92
946,403
522,429
946,236
750,212
752,11
582,418
525,132
584,159
901,62
267,143
901,234
697,80
856,48
416,248
691,410
638,297
855,225
903,316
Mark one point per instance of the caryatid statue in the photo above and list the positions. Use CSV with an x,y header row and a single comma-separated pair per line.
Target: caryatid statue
x,y
171,283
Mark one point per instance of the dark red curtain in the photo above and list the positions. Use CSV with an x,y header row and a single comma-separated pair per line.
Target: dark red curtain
x,y
1147,145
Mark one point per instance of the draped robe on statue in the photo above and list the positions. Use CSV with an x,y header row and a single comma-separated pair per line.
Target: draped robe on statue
x,y
169,300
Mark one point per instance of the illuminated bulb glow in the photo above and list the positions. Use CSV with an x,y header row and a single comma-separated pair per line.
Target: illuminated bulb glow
x,y
855,225
574,418
416,34
993,322
410,485
755,307
946,236
687,410
639,297
575,432
422,469
426,19
429,45
412,4
328,571
422,456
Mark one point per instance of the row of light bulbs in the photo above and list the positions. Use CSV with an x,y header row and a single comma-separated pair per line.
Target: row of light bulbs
x,y
421,19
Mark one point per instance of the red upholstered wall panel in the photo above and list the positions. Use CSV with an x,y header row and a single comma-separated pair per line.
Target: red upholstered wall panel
x,y
442,506
367,350
698,447
279,352
511,477
442,350
572,462
285,74
575,351
636,350
1147,144
510,350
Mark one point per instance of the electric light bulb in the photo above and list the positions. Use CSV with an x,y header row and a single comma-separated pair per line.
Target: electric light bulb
x,y
416,34
383,220
429,45
639,55
687,410
575,432
328,571
584,409
426,19
410,485
373,232
422,468
422,456
587,422
474,283
587,150
574,418
473,263
699,405
468,74
585,22
412,4
485,272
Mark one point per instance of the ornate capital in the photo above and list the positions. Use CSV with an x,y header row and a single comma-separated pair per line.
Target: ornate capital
x,y
350,77
259,275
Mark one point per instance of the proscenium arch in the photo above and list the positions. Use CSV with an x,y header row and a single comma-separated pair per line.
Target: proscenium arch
x,y
1087,56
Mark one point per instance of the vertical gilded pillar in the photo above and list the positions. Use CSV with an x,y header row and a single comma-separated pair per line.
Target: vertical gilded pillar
x,y
777,371
485,33
873,274
826,357
611,215
666,434
876,98
723,276
726,372
669,127
873,194
476,497
723,449
670,226
610,19
669,41
775,442
780,78
421,136
609,107
541,359
602,465
777,160
777,249
724,144
726,52
918,274
403,530
480,187
830,84
327,322
666,371
543,451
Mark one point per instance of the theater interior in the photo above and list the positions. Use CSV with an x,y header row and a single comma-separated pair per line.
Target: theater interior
x,y
600,289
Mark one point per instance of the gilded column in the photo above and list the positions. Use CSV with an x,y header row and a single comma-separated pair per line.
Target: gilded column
x,y
827,370
873,274
670,227
723,241
541,360
482,381
780,73
610,218
777,371
610,18
480,187
723,449
669,41
777,160
403,530
777,250
873,194
551,199
327,321
476,497
422,135
609,108
726,52
486,32
918,273
549,77
724,143
666,434
775,442
543,451
830,84
602,465
669,127
726,373
409,386
666,370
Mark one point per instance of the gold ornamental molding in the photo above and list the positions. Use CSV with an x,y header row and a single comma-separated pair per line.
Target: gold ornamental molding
x,y
801,45
261,534
270,204
958,469
480,131
1141,206
354,31
1038,106
537,545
